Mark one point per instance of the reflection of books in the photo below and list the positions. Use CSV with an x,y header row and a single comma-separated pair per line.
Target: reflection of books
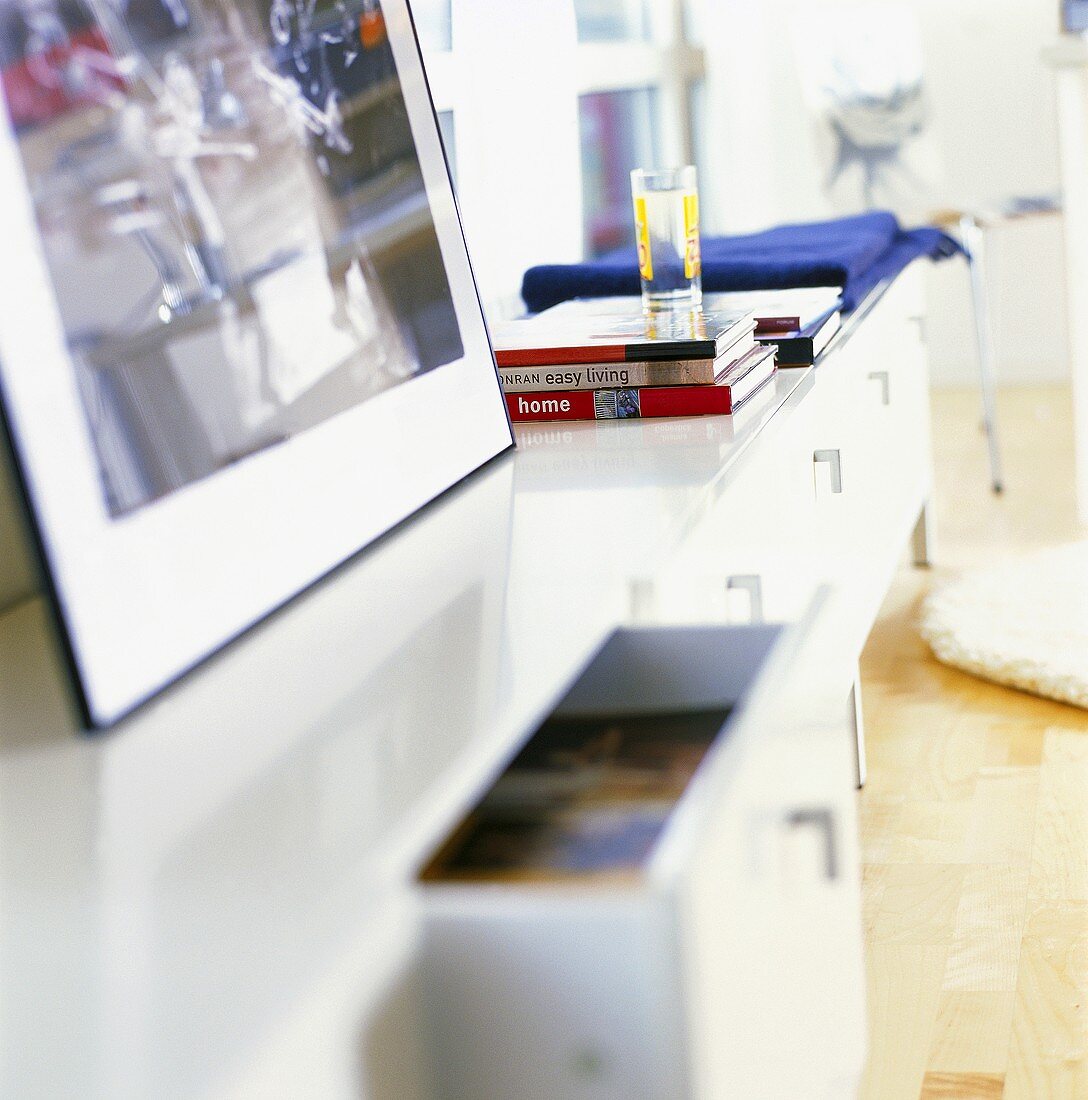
x,y
724,396
668,452
585,796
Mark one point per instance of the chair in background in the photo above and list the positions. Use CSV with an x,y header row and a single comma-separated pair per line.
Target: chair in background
x,y
862,66
972,226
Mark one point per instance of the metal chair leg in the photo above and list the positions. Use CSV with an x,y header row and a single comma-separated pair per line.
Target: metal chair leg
x,y
857,727
974,238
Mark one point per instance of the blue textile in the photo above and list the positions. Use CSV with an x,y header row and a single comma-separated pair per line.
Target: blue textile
x,y
854,253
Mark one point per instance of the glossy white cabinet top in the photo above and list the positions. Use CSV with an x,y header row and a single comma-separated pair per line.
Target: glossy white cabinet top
x,y
212,899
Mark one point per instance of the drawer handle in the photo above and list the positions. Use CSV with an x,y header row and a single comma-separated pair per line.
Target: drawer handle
x,y
823,821
753,585
881,376
834,460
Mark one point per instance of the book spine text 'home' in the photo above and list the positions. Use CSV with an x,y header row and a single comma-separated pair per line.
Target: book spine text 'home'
x,y
620,404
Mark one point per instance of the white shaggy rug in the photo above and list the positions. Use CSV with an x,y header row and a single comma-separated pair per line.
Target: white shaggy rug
x,y
1024,624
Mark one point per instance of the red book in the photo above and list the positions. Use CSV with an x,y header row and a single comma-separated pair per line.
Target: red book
x,y
722,398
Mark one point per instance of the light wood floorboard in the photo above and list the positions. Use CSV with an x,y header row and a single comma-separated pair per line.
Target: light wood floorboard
x,y
974,822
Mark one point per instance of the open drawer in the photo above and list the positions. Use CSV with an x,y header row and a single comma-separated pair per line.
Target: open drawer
x,y
658,896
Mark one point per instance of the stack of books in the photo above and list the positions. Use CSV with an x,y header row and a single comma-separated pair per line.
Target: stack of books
x,y
800,323
604,359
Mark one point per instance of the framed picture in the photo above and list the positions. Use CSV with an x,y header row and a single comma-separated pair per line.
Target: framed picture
x,y
239,333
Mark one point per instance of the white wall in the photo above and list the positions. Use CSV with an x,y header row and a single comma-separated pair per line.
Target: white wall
x,y
995,118
519,186
992,132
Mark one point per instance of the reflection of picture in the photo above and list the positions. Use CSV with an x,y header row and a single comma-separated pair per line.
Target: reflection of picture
x,y
234,218
586,795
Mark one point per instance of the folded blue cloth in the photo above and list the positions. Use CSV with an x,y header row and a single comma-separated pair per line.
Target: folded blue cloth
x,y
854,253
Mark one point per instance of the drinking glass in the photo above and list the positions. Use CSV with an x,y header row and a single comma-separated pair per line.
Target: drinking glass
x,y
667,233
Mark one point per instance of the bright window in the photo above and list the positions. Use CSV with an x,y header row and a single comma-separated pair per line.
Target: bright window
x,y
545,108
617,134
612,20
434,24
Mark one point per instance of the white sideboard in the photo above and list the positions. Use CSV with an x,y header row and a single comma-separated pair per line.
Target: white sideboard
x,y
217,898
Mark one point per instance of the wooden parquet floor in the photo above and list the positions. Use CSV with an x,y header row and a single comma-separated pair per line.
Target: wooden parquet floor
x,y
974,821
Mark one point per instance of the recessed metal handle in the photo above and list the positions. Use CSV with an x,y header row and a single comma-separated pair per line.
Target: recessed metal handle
x,y
776,847
881,376
753,585
834,460
823,821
